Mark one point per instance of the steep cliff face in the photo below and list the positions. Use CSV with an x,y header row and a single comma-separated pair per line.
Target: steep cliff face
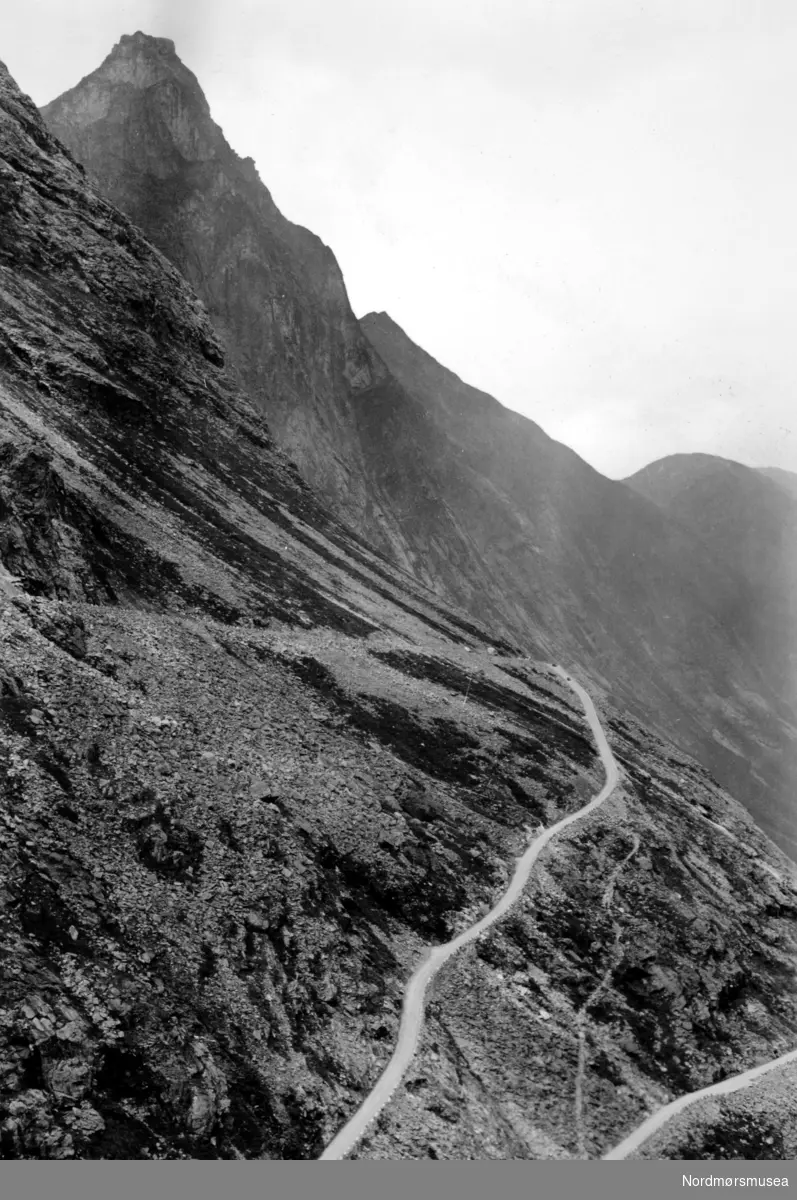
x,y
141,126
249,771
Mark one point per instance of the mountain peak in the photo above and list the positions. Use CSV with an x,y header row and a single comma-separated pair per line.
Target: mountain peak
x,y
142,61
144,81
132,42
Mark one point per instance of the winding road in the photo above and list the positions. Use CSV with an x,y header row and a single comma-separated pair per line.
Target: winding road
x,y
663,1115
412,1011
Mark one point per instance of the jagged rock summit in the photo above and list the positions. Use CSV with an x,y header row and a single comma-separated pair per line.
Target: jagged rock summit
x,y
180,115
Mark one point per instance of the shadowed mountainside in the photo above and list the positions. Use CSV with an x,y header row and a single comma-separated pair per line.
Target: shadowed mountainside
x,y
747,518
784,479
249,771
673,624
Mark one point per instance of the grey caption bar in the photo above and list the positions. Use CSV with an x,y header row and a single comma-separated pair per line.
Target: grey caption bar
x,y
389,1180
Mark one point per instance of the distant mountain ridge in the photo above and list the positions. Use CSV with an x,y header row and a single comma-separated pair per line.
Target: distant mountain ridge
x,y
785,479
476,501
749,519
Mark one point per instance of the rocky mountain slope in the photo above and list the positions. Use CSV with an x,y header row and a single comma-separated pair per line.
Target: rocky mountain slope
x,y
249,770
748,519
759,1122
672,625
785,479
476,501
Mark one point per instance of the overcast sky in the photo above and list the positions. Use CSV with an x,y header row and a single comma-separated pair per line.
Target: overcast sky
x,y
588,209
